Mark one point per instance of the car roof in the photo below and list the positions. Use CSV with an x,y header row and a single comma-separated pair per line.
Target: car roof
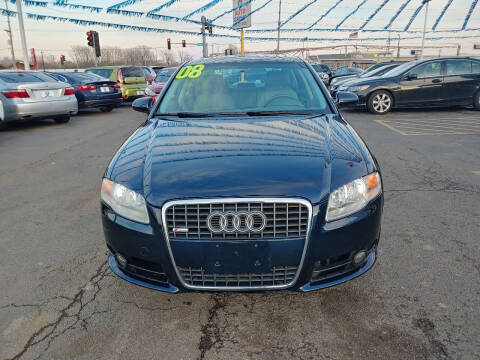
x,y
246,59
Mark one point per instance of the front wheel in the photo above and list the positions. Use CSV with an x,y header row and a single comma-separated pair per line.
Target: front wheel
x,y
62,119
380,102
476,100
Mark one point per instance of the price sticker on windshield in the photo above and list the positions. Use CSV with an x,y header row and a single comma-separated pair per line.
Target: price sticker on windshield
x,y
192,72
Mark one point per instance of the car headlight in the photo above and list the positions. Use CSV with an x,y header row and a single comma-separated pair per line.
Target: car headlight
x,y
358,88
353,196
124,202
150,92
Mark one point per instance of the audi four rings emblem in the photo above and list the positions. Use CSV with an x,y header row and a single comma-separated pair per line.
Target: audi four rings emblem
x,y
236,221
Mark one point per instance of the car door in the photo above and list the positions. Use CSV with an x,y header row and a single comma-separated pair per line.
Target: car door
x,y
422,85
460,82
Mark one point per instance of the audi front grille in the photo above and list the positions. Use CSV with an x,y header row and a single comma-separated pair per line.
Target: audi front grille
x,y
191,223
283,220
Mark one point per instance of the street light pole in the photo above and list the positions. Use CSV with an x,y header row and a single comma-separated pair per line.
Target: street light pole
x,y
10,39
21,28
279,23
424,27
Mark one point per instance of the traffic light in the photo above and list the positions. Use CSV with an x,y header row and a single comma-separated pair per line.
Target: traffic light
x,y
90,38
96,43
62,59
184,43
169,44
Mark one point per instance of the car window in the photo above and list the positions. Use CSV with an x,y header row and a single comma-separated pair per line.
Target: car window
x,y
133,72
433,68
163,76
106,73
24,77
460,66
242,87
60,78
475,66
400,69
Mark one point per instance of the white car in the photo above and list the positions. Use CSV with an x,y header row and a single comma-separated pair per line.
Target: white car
x,y
31,95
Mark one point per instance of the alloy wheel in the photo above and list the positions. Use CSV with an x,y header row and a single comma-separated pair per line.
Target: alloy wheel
x,y
381,103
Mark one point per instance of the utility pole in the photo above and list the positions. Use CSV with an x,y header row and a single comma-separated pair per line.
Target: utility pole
x,y
398,47
10,40
388,44
279,23
424,27
21,28
204,37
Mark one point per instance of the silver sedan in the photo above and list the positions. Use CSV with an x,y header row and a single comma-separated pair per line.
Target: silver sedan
x,y
29,95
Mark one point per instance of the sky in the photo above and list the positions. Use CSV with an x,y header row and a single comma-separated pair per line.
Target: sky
x,y
57,37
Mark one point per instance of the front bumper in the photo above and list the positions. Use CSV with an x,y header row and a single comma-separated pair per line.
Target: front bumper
x,y
328,260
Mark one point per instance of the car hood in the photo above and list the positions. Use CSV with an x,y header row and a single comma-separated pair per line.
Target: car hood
x,y
269,157
367,81
342,79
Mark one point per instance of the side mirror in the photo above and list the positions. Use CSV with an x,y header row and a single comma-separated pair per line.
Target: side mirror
x,y
412,77
345,99
143,104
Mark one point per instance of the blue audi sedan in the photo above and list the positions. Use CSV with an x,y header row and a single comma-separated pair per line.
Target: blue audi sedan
x,y
244,177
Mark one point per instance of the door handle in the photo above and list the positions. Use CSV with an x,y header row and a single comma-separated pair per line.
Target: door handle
x,y
436,81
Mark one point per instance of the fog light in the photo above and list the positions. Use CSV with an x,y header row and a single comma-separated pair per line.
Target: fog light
x,y
359,257
121,261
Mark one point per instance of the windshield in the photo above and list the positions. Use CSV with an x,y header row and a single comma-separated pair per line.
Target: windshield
x,y
320,67
377,71
344,71
133,72
400,69
164,75
24,77
241,87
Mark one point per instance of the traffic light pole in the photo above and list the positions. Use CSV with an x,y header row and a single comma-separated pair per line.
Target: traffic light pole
x,y
204,37
95,60
21,28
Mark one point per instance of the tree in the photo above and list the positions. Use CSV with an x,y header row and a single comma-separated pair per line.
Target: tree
x,y
167,57
183,56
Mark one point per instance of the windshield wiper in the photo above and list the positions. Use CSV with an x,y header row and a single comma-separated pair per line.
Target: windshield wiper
x,y
273,113
187,115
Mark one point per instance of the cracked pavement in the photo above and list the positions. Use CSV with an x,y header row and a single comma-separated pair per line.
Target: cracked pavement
x,y
59,299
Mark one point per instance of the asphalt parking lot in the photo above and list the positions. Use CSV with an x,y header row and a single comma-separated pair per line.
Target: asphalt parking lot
x,y
59,299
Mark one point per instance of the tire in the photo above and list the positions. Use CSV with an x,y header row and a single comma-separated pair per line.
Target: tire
x,y
476,100
62,119
105,109
380,102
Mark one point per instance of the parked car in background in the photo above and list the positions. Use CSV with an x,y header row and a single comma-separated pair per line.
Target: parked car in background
x,y
377,71
157,68
31,95
130,78
421,83
368,72
345,71
160,80
324,71
91,90
149,73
